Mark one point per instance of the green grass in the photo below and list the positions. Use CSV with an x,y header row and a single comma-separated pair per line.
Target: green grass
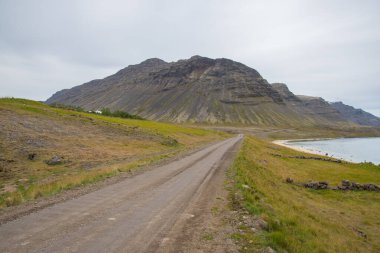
x,y
299,219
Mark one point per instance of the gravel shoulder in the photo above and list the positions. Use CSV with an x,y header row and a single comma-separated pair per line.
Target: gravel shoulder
x,y
207,222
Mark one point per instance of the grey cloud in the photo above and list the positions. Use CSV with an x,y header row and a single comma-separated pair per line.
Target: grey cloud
x,y
323,48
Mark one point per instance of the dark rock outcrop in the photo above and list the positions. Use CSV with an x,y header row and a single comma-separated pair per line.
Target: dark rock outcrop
x,y
285,93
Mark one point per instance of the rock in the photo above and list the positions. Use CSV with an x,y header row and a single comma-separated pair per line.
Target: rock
x,y
317,185
356,186
245,186
323,185
262,224
371,187
269,250
360,233
55,160
32,156
311,185
346,183
289,180
346,186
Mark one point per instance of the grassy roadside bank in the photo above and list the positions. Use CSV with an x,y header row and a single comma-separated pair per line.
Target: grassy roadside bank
x,y
89,148
297,219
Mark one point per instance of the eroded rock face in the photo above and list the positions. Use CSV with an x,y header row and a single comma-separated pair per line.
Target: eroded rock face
x,y
285,93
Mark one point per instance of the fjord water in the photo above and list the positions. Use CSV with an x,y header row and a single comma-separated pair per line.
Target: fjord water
x,y
349,149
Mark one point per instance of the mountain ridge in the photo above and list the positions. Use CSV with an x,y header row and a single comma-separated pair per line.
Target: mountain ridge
x,y
356,115
201,90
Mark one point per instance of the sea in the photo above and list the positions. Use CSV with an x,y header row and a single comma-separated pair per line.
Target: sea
x,y
350,149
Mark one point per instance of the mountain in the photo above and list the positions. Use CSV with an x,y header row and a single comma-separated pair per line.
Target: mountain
x,y
285,93
202,90
356,115
319,106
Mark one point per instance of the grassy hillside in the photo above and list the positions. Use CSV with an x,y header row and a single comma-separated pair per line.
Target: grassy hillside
x,y
91,147
300,219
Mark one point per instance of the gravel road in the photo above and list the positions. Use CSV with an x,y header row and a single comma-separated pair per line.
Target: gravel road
x,y
138,214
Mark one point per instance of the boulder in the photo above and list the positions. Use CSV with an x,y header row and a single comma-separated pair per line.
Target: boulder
x,y
345,186
317,185
356,186
269,250
346,183
32,156
289,180
55,160
371,187
262,224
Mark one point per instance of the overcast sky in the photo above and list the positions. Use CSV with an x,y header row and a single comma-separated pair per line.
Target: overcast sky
x,y
327,48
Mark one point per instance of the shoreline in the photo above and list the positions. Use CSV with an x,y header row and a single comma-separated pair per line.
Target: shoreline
x,y
284,143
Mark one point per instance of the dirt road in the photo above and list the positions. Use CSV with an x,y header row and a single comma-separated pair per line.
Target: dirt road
x,y
140,214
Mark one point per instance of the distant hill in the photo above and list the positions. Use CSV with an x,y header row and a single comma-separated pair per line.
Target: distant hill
x,y
200,90
356,115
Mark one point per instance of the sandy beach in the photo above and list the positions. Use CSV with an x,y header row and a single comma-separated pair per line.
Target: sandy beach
x,y
284,143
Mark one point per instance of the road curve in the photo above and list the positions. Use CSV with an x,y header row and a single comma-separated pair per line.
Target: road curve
x,y
134,215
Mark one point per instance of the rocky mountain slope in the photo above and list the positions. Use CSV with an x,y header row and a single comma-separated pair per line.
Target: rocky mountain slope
x,y
202,90
309,106
356,115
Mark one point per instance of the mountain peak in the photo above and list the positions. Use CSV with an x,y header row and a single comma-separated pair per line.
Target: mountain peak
x,y
153,62
197,57
285,93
